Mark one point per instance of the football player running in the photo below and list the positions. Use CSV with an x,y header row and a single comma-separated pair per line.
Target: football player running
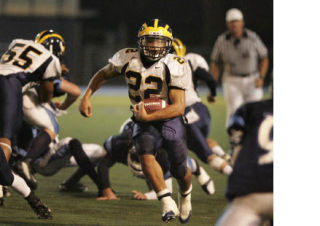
x,y
23,63
250,186
197,114
150,71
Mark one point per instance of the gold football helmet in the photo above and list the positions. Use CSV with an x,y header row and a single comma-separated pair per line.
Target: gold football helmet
x,y
51,41
154,39
179,47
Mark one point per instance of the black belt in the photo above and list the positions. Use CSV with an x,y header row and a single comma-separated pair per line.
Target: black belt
x,y
243,74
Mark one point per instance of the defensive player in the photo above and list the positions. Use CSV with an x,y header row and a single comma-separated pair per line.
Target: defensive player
x,y
250,186
151,72
120,149
60,153
42,115
24,62
197,114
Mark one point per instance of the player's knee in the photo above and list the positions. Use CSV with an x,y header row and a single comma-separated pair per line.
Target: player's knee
x,y
6,178
179,170
51,133
74,146
145,145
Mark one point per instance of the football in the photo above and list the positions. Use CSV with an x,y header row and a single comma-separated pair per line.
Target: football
x,y
154,104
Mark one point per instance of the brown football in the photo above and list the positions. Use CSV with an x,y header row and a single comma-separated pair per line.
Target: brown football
x,y
154,104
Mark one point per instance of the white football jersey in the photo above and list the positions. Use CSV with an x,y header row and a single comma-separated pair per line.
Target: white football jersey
x,y
33,59
196,61
154,81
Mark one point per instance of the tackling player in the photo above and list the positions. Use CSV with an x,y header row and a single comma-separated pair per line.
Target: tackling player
x,y
58,154
24,62
197,114
42,115
151,72
250,186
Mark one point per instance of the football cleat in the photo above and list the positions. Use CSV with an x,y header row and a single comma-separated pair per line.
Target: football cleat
x,y
185,207
169,209
205,181
42,211
23,169
78,187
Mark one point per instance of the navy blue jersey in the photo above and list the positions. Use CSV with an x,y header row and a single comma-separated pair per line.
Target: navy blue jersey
x,y
251,128
118,146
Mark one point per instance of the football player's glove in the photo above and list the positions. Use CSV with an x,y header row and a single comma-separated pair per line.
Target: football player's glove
x,y
51,41
154,39
178,47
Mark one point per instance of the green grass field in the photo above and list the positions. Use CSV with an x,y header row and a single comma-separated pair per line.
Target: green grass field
x,y
83,209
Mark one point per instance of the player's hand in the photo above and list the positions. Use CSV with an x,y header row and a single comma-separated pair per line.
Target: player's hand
x,y
211,99
108,195
140,112
259,82
64,69
58,105
85,107
139,195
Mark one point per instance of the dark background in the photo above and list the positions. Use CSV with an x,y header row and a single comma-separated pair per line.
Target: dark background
x,y
99,28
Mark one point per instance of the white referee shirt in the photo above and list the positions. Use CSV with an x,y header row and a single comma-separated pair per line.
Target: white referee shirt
x,y
239,56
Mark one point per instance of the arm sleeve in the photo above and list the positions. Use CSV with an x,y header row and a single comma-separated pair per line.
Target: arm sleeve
x,y
204,75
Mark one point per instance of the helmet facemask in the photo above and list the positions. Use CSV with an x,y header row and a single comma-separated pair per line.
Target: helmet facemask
x,y
154,47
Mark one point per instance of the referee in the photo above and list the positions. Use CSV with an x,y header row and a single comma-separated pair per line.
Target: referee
x,y
245,63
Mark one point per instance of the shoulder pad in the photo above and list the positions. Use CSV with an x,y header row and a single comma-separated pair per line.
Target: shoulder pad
x,y
176,65
196,61
122,57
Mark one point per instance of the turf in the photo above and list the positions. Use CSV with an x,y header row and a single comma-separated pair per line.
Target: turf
x,y
83,209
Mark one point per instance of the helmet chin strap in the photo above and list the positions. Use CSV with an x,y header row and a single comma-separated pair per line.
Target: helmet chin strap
x,y
145,61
